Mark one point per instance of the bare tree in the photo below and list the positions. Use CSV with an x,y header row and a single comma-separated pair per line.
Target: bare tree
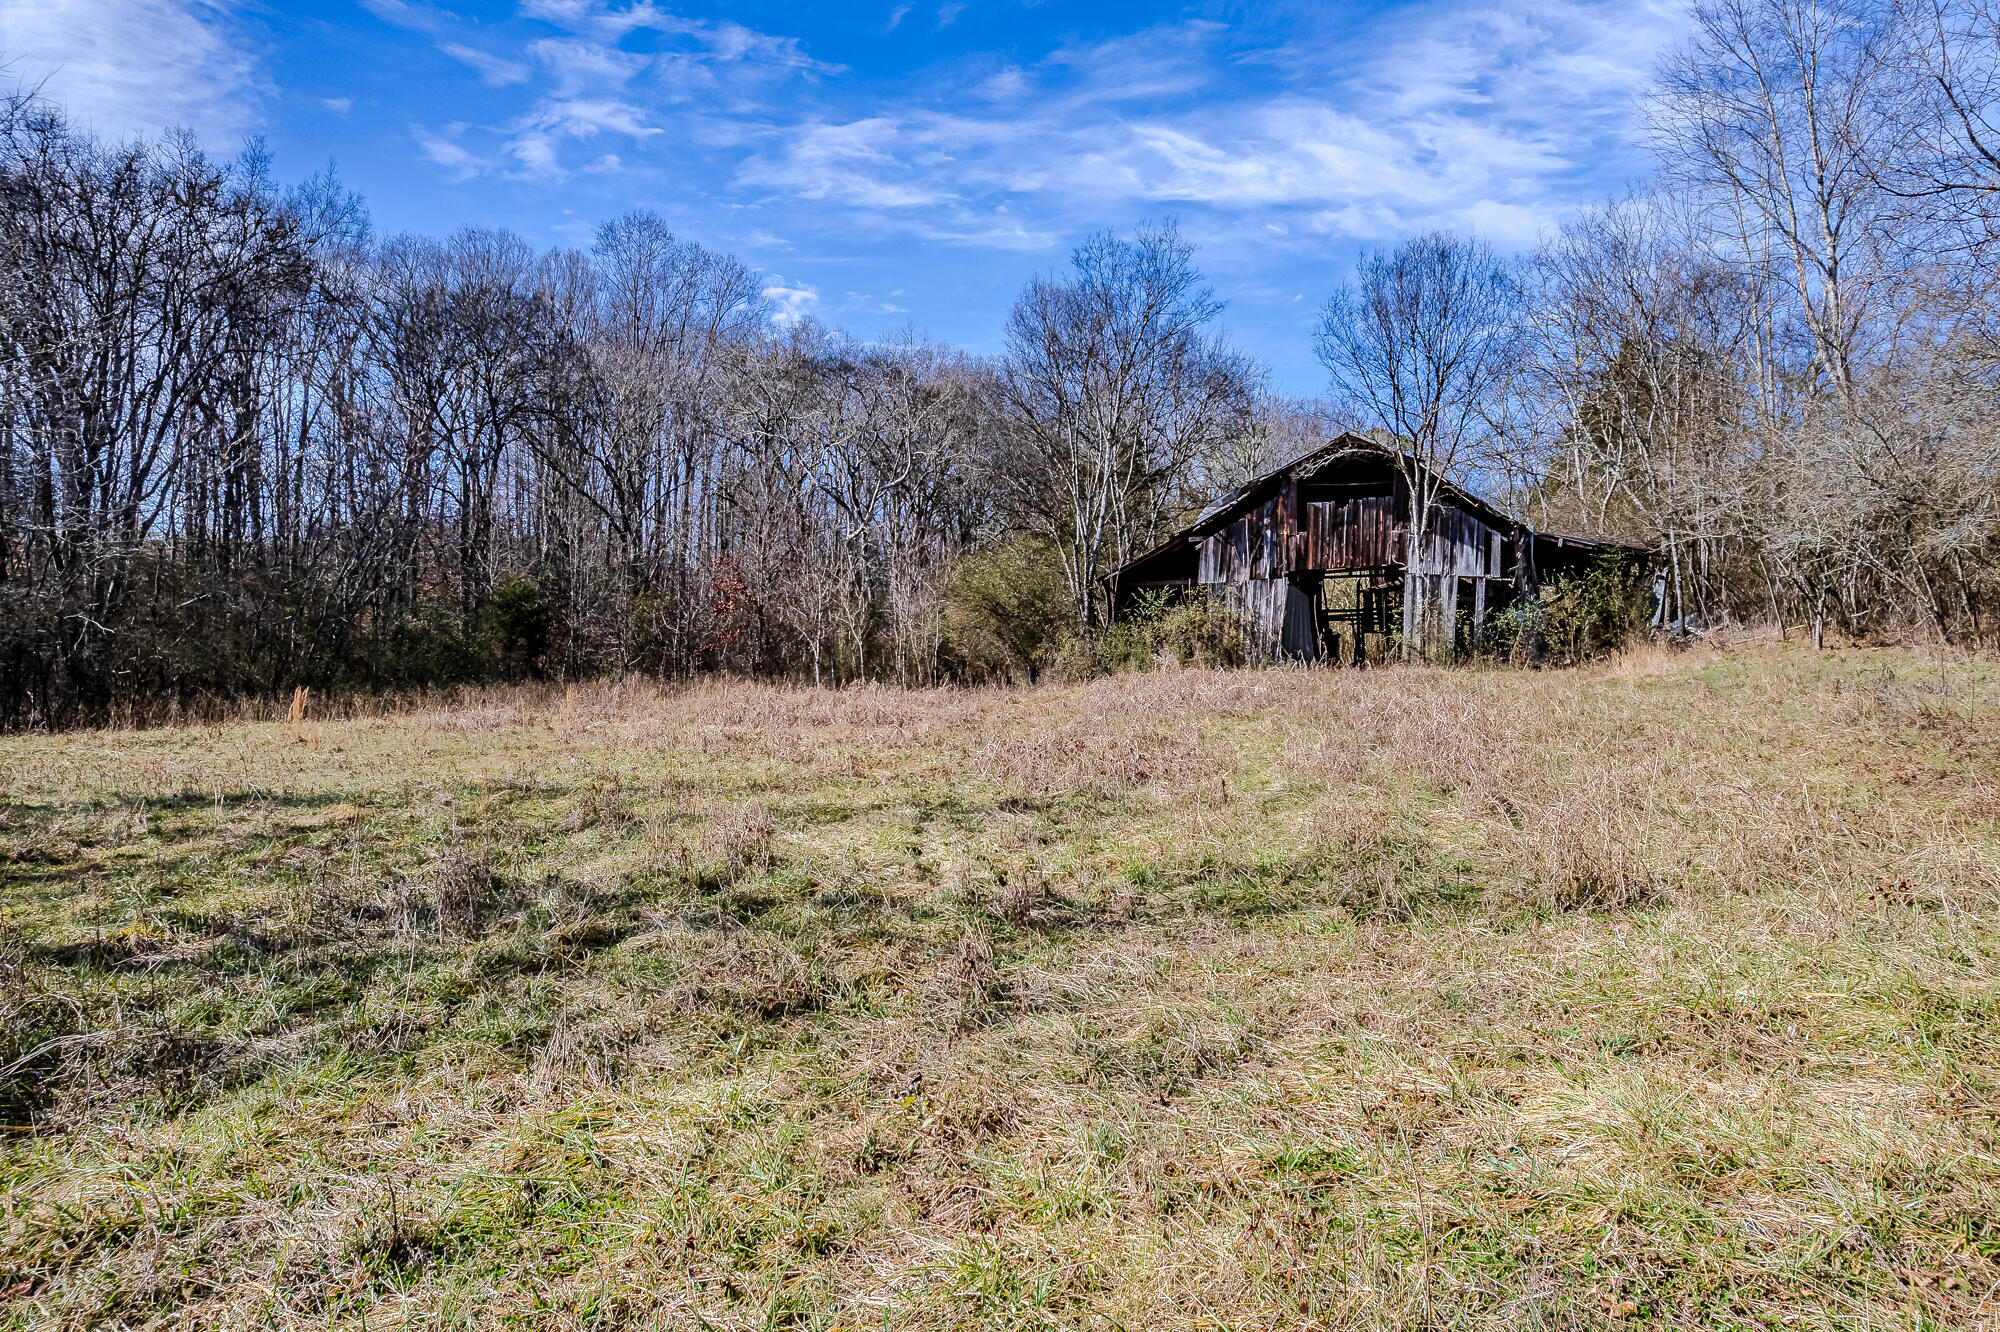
x,y
1419,345
1948,54
141,283
1640,351
242,445
1779,114
1113,389
1280,429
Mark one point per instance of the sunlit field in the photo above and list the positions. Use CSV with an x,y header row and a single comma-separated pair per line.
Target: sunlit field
x,y
1657,992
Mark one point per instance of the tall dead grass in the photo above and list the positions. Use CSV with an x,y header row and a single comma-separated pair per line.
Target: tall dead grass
x,y
1405,997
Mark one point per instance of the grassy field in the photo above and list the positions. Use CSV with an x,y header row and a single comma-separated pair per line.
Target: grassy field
x,y
1661,992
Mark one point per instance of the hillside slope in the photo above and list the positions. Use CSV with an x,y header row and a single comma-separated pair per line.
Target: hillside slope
x,y
1663,991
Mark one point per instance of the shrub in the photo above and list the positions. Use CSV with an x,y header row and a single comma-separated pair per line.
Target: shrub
x,y
1007,608
1194,628
513,630
420,644
1578,617
1189,628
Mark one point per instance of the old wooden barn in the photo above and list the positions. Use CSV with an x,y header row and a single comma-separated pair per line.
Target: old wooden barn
x,y
1314,557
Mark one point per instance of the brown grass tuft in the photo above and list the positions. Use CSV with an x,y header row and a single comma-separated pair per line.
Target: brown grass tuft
x,y
1021,892
739,838
757,976
464,890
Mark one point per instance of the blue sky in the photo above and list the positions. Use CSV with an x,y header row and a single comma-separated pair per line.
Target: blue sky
x,y
893,163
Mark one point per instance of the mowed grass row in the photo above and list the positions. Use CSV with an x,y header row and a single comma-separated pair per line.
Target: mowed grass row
x,y
1657,992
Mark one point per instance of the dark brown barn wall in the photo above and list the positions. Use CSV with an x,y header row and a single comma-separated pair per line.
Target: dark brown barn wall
x,y
1352,534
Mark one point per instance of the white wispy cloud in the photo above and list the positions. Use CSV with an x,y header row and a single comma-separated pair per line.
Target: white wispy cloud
x,y
586,86
1472,116
138,66
723,39
872,163
608,21
494,71
536,140
443,148
416,17
1263,139
579,66
790,304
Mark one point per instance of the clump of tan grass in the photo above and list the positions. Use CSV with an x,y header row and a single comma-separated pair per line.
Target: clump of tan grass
x,y
739,838
464,889
1021,891
1378,868
972,978
715,842
755,975
603,804
1589,846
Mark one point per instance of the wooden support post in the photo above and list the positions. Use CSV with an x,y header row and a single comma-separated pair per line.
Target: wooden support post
x,y
1450,599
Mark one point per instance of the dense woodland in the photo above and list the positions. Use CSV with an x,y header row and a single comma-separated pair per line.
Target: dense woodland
x,y
246,442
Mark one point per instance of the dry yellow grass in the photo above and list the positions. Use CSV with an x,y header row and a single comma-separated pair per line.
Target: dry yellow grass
x,y
1661,992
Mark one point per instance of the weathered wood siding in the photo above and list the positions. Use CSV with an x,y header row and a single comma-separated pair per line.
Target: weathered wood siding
x,y
1364,534
1460,545
1278,618
1254,546
1352,534
1226,555
1253,560
1344,534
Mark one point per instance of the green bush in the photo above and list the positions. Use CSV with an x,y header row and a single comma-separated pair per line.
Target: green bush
x,y
1193,628
513,628
1008,614
433,642
1577,617
1007,610
416,645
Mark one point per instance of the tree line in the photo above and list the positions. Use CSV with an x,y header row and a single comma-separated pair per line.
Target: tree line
x,y
246,442
1776,363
